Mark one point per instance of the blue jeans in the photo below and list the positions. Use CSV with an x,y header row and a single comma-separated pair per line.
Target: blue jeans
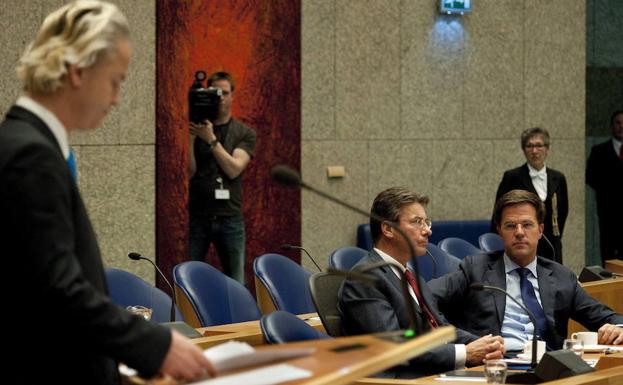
x,y
228,236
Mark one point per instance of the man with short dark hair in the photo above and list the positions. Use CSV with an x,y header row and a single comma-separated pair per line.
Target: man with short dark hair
x,y
371,309
550,186
604,173
219,152
548,289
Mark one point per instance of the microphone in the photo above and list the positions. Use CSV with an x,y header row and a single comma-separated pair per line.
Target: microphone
x,y
136,256
551,246
287,246
286,176
432,257
477,286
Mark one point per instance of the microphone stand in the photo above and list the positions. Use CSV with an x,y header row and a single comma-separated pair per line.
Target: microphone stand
x,y
287,246
288,177
480,286
136,257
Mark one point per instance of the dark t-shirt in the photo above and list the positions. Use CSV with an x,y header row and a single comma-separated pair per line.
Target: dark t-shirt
x,y
231,135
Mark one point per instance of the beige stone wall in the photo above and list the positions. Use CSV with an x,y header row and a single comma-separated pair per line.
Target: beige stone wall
x,y
400,95
392,91
116,163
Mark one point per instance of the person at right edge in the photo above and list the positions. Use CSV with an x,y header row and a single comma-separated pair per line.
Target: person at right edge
x,y
550,185
219,153
61,327
604,173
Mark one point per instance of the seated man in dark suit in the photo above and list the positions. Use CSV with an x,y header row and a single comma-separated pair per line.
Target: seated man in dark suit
x,y
371,309
548,289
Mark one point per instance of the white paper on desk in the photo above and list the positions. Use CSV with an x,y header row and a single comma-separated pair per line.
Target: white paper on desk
x,y
267,375
235,354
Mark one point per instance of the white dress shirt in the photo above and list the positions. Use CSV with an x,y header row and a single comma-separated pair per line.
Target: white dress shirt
x,y
516,326
539,180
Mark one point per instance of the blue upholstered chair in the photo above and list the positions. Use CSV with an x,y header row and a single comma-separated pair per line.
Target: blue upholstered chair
x,y
458,247
280,327
490,242
282,284
364,237
443,264
468,230
126,289
208,297
345,258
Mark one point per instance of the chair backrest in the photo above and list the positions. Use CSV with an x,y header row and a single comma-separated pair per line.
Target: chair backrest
x,y
208,297
282,284
490,242
126,289
345,258
280,327
443,264
468,230
324,289
458,247
364,237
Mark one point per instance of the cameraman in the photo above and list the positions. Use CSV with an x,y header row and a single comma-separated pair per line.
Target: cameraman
x,y
219,153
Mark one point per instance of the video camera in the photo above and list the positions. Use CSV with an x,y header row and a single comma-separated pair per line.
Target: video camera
x,y
203,102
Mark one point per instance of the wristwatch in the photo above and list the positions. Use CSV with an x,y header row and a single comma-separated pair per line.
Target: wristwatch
x,y
213,143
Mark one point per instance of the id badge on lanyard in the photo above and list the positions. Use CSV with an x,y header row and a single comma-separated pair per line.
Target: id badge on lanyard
x,y
221,192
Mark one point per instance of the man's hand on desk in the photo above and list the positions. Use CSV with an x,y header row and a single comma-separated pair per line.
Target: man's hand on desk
x,y
610,335
185,361
485,348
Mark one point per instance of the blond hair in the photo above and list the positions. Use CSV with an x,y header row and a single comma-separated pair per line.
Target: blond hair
x,y
77,34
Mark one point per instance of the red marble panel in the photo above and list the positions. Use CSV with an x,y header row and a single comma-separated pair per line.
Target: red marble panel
x,y
258,41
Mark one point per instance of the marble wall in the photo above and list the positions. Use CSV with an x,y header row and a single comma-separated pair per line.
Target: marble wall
x,y
393,91
401,95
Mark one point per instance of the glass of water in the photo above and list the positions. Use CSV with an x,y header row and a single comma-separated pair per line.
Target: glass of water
x,y
495,371
576,346
142,311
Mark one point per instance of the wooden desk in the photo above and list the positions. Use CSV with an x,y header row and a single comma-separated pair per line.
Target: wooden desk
x,y
336,368
608,292
615,265
610,375
248,332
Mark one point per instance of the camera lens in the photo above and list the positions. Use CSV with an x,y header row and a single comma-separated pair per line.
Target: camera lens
x,y
200,75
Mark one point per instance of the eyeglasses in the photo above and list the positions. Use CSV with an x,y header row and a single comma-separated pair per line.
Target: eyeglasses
x,y
512,227
538,146
422,222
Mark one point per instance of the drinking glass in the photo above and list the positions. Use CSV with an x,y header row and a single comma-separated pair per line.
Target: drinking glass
x,y
495,371
576,346
143,311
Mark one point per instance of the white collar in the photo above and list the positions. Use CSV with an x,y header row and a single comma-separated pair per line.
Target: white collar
x,y
509,265
48,117
537,173
388,258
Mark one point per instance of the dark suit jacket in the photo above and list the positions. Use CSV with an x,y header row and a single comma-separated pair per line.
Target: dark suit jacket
x,y
604,173
519,178
66,328
482,312
373,309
